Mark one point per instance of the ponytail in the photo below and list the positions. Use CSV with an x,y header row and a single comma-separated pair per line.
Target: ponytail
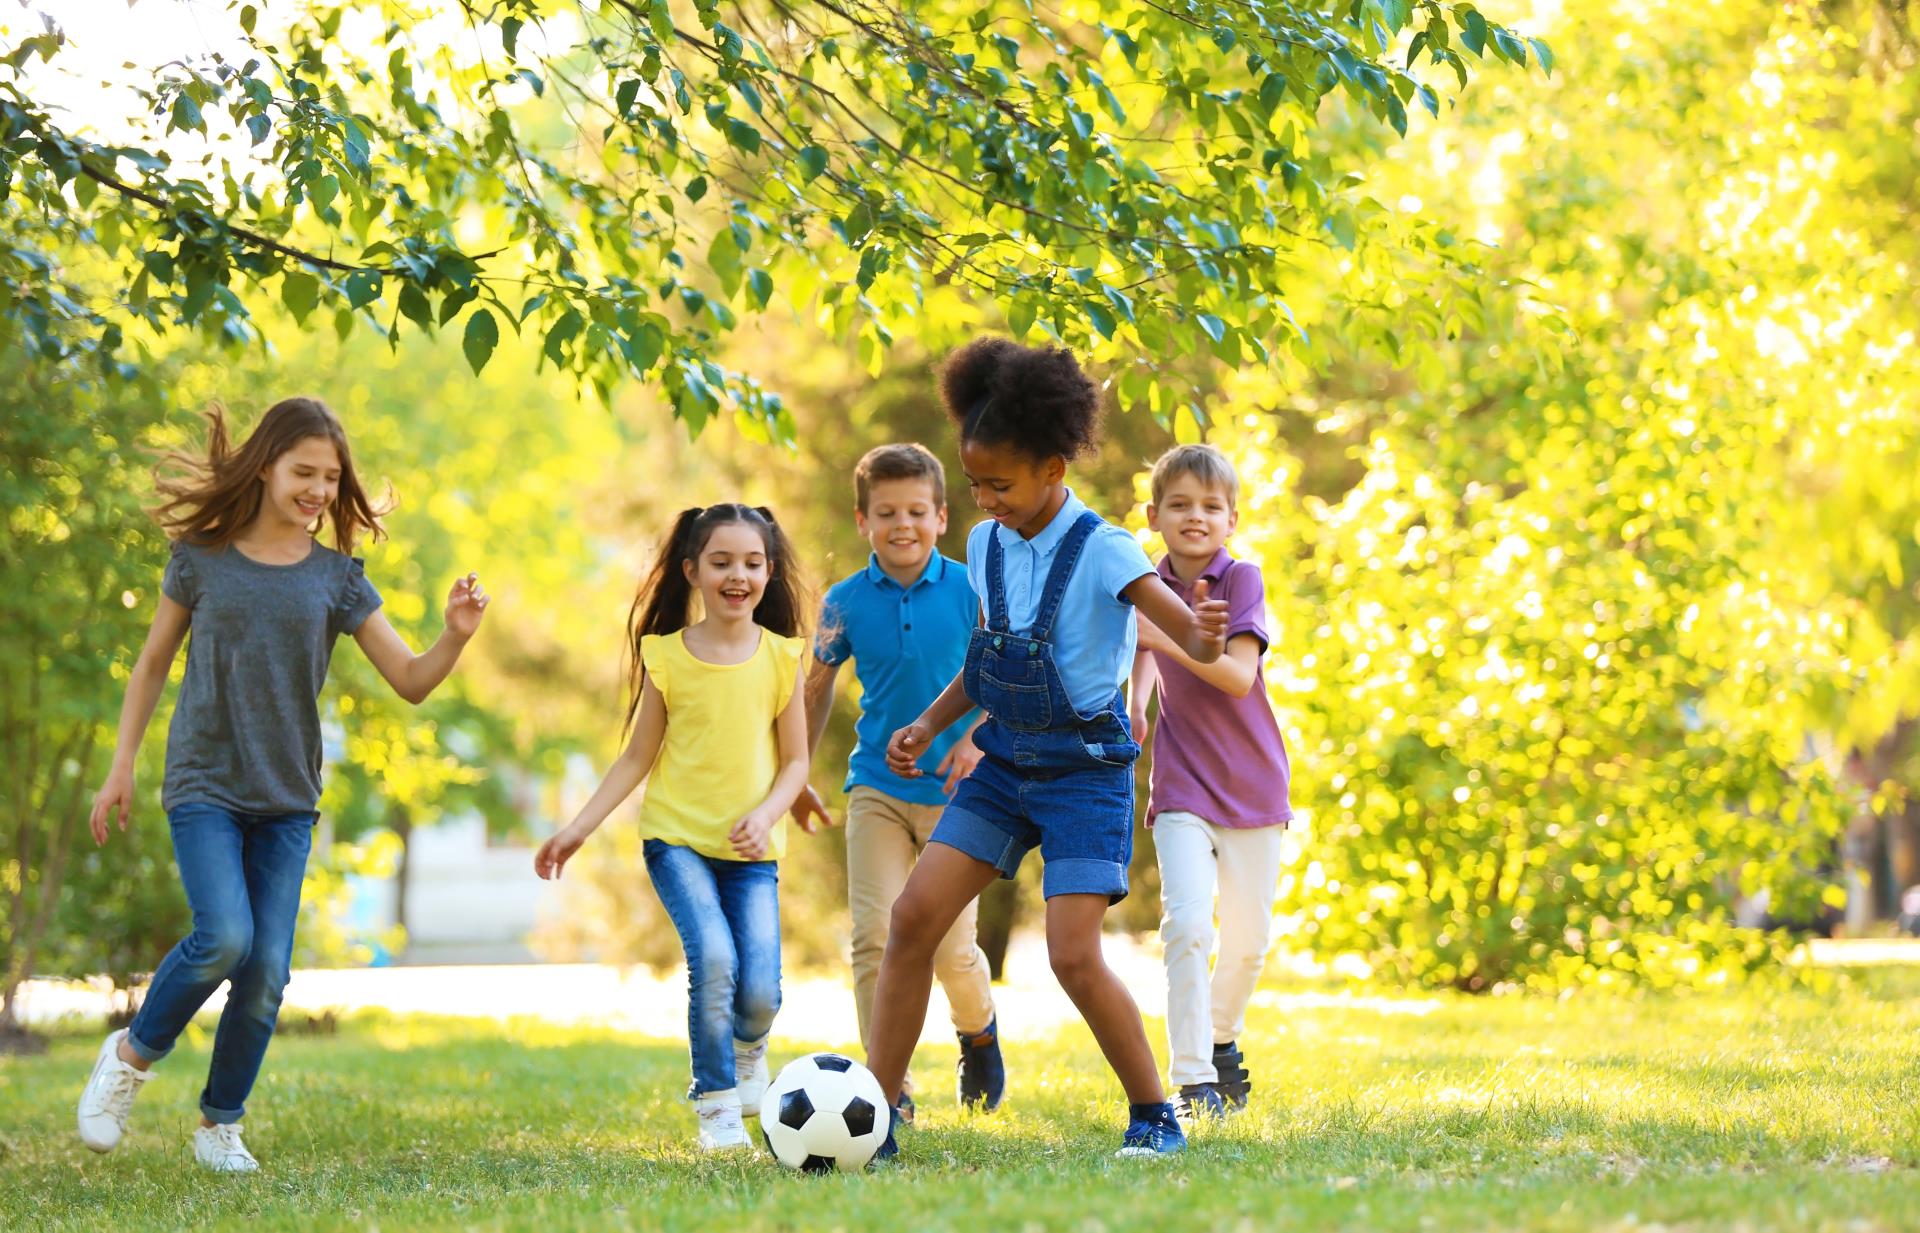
x,y
664,602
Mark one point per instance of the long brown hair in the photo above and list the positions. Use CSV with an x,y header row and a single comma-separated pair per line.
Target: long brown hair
x,y
664,602
211,496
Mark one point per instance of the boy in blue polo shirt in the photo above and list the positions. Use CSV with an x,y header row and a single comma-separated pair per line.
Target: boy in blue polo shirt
x,y
904,620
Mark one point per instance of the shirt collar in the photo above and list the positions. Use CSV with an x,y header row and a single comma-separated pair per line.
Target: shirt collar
x,y
1050,535
1215,570
935,570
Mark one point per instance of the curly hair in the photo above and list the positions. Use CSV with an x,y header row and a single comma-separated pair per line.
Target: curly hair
x,y
1034,399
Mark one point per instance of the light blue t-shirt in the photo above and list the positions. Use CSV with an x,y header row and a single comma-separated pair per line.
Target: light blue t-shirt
x,y
906,645
1093,634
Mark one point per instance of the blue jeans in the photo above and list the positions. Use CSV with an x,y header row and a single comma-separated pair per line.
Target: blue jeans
x,y
728,916
242,873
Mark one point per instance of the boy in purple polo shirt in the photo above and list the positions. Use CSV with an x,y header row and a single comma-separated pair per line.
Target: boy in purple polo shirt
x,y
1219,794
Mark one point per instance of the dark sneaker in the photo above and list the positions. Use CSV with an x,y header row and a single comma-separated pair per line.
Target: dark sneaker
x,y
982,1071
1199,1102
905,1108
889,1151
1231,1079
1152,1131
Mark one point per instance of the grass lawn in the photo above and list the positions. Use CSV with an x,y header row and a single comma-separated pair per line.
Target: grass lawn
x,y
1758,1111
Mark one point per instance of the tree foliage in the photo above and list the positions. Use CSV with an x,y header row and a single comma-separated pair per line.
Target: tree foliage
x,y
621,182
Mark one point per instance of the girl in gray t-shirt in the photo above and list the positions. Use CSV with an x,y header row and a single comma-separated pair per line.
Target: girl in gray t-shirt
x,y
264,602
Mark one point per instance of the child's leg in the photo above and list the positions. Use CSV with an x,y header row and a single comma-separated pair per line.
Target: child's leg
x,y
880,852
943,882
1073,946
1249,875
276,862
687,887
209,848
959,963
1187,878
750,900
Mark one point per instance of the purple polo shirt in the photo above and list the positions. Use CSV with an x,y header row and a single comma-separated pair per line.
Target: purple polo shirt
x,y
1216,755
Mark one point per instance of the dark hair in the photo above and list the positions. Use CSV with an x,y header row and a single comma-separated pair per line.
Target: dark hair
x,y
664,603
897,462
1035,399
212,494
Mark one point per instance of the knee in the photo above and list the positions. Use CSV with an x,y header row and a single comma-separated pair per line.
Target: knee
x,y
1076,966
221,947
754,1010
914,927
1185,931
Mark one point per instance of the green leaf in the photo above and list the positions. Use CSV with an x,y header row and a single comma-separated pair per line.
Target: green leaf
x,y
248,16
300,292
1473,31
1103,322
355,142
185,115
561,334
759,287
624,96
743,135
509,36
1215,328
644,346
481,337
362,287
1020,316
1542,53
813,163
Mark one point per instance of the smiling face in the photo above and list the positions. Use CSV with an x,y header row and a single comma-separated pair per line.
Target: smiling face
x,y
1194,518
902,521
302,484
1015,490
731,571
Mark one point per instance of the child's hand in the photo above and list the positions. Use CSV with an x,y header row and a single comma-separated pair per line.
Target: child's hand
x,y
556,852
959,762
1209,625
905,749
116,793
1151,636
810,812
466,604
749,836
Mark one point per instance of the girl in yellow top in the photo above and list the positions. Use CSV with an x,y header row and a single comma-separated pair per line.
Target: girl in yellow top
x,y
718,718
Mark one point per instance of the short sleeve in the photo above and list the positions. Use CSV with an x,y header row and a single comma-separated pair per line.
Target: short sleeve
x,y
1121,559
977,559
1246,596
830,643
653,661
786,663
179,582
357,598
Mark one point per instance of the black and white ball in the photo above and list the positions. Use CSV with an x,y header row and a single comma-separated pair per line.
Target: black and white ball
x,y
824,1112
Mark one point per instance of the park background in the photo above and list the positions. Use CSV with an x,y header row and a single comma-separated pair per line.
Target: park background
x,y
1567,353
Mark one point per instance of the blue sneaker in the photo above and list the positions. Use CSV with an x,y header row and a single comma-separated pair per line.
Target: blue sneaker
x,y
1152,1130
982,1072
1200,1102
889,1151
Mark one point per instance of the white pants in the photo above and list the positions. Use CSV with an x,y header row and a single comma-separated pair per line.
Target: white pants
x,y
1196,858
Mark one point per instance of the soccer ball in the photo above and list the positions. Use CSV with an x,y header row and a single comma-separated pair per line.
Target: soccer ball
x,y
824,1112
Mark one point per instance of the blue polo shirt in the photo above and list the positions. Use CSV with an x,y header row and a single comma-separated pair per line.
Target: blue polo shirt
x,y
907,644
1093,634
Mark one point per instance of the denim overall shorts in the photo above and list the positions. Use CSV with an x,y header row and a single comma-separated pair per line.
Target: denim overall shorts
x,y
1051,777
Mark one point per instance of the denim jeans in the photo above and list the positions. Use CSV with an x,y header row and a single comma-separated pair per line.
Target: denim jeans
x,y
242,873
728,916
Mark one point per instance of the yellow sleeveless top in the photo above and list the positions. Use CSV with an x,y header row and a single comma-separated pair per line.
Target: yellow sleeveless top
x,y
719,756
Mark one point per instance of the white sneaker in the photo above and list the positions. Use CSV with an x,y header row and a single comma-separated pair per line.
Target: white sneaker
x,y
219,1149
750,1072
108,1097
720,1126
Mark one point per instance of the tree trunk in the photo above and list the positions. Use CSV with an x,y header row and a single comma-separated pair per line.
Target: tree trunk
x,y
401,822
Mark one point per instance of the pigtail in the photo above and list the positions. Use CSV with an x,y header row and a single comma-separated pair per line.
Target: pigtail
x,y
661,605
783,605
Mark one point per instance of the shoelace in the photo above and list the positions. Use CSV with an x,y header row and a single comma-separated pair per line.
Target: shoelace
x,y
116,1094
226,1137
1144,1134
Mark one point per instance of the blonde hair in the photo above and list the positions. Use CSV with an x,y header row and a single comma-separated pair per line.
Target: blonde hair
x,y
1205,463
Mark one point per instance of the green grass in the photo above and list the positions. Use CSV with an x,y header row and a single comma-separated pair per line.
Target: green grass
x,y
1760,1111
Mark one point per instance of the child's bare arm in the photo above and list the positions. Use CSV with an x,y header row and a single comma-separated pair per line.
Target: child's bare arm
x,y
414,677
144,686
1233,673
911,741
632,766
1146,677
821,680
1200,630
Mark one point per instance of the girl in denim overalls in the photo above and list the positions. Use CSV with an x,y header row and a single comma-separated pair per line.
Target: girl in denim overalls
x,y
1060,586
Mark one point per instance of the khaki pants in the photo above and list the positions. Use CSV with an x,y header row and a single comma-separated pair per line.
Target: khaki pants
x,y
884,838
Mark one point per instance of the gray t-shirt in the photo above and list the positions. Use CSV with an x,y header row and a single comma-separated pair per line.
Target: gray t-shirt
x,y
246,728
